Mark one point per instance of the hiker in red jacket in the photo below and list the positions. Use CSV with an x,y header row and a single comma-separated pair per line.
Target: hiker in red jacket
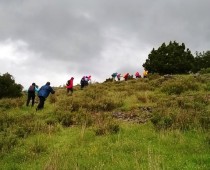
x,y
126,76
137,75
69,85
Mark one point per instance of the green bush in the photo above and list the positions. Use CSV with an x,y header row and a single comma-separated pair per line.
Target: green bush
x,y
51,121
205,120
204,71
154,76
207,86
105,124
83,117
162,122
178,86
111,128
8,87
181,112
65,118
8,103
53,99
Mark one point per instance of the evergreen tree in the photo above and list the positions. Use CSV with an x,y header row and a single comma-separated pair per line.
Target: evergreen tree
x,y
8,86
202,61
169,59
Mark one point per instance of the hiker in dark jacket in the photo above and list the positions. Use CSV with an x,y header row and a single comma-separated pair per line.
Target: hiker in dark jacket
x,y
31,94
82,82
43,93
86,80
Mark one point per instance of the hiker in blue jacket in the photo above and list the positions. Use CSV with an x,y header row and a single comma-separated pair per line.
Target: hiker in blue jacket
x,y
114,75
43,93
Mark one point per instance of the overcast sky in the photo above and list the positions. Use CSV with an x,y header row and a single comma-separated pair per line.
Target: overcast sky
x,y
53,40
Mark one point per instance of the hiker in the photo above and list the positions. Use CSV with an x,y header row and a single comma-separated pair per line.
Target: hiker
x,y
82,82
118,76
43,93
36,88
137,75
36,93
145,73
89,79
114,75
31,94
126,76
86,80
69,85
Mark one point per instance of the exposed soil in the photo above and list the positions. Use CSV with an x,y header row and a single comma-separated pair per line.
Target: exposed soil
x,y
137,116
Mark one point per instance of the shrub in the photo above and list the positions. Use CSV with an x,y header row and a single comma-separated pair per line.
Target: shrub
x,y
178,86
153,76
51,121
205,120
100,131
83,117
143,87
204,71
66,118
162,122
173,88
105,124
112,128
8,87
104,103
207,86
8,103
53,99
181,112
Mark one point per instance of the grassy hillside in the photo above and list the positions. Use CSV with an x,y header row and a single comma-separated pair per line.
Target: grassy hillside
x,y
153,123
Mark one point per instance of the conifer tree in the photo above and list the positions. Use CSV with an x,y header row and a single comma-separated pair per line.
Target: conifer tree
x,y
170,59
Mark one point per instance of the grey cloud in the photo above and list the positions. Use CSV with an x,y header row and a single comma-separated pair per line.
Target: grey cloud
x,y
73,36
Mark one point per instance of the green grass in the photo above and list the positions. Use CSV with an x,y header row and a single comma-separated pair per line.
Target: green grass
x,y
134,147
79,132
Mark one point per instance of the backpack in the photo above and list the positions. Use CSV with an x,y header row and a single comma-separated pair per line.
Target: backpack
x,y
114,74
31,89
68,83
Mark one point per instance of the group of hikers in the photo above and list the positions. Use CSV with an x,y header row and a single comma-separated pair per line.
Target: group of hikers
x,y
46,89
127,75
43,93
83,82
